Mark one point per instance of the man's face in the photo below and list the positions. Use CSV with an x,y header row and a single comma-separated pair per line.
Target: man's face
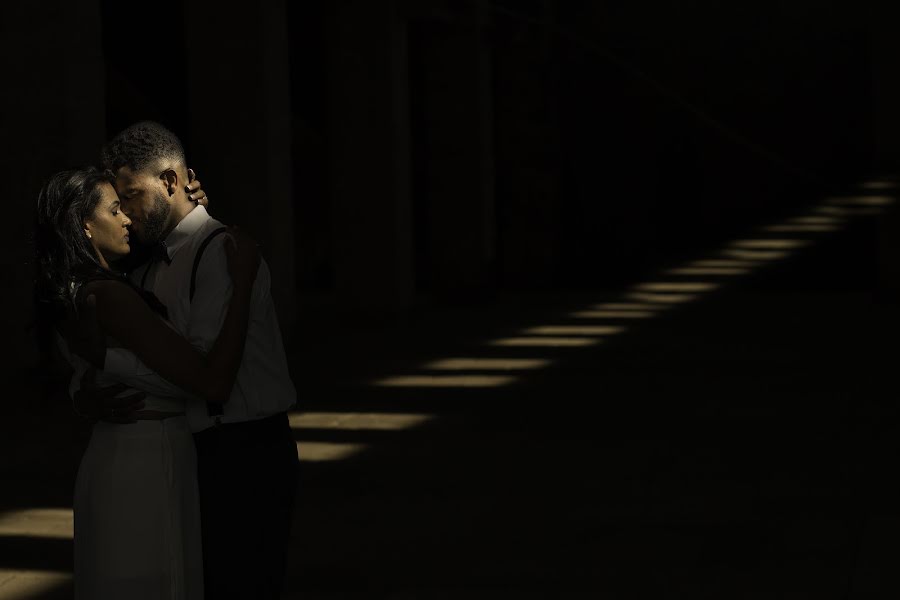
x,y
146,202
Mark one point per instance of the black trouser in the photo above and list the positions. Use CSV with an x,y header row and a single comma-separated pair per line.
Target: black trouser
x,y
248,480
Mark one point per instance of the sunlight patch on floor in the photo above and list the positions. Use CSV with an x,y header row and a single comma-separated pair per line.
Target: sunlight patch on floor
x,y
677,287
357,421
800,228
878,185
638,306
445,381
566,330
722,263
665,300
488,364
769,244
543,342
29,584
53,523
327,451
816,220
759,255
845,211
861,201
612,314
709,271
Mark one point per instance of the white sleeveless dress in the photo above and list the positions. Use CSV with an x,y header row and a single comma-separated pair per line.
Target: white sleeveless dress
x,y
136,505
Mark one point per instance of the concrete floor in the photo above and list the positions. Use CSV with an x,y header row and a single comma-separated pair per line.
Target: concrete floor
x,y
731,433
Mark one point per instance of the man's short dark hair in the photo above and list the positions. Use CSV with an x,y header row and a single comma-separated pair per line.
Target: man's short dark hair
x,y
140,145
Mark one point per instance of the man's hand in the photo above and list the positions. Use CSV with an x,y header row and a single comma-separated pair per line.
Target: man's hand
x,y
101,403
194,190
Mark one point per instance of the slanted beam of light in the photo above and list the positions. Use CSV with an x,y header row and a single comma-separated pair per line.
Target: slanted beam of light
x,y
758,255
663,299
327,451
357,421
816,220
445,381
707,271
861,201
544,342
843,211
52,523
800,228
27,584
635,306
613,314
878,185
488,364
677,287
769,244
566,330
722,264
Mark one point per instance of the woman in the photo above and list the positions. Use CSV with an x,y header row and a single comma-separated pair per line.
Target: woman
x,y
137,521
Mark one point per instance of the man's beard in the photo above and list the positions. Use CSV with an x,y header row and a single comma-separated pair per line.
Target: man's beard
x,y
154,224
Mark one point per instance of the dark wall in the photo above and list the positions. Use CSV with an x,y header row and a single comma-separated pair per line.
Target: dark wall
x,y
390,152
661,127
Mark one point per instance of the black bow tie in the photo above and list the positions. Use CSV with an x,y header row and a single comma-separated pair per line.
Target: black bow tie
x,y
161,253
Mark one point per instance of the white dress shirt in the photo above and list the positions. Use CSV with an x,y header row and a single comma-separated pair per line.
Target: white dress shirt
x,y
263,386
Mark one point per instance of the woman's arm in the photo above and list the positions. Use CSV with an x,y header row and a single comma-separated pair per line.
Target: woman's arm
x,y
122,314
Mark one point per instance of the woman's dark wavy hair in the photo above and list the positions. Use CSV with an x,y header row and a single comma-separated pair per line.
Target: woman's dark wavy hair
x,y
64,256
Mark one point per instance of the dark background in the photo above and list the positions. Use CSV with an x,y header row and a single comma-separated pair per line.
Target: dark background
x,y
394,153
398,159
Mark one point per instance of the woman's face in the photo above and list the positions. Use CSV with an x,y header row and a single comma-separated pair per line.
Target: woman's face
x,y
108,226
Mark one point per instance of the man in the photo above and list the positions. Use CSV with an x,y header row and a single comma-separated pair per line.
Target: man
x,y
246,456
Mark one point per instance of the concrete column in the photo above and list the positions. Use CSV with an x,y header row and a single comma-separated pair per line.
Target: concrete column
x,y
454,150
369,155
885,59
884,46
527,141
240,120
52,107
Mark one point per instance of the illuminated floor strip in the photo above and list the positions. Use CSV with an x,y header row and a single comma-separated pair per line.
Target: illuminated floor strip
x,y
357,421
663,299
800,228
545,342
710,271
28,584
574,330
445,381
52,523
766,244
327,451
677,287
487,364
860,201
649,299
613,314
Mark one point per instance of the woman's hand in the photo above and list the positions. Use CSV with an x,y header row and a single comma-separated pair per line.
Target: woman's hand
x,y
242,253
194,190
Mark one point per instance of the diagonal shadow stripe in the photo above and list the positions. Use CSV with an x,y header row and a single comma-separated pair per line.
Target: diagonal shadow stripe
x,y
26,552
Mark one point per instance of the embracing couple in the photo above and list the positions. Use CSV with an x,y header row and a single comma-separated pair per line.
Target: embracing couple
x,y
187,491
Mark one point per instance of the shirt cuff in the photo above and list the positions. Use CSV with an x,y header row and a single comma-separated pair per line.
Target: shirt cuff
x,y
120,362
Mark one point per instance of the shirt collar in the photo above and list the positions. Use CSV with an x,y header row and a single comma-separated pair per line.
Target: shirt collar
x,y
188,226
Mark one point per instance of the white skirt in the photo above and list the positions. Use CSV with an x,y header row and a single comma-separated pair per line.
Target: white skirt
x,y
137,514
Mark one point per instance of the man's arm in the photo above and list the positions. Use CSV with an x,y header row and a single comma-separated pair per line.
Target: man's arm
x,y
212,295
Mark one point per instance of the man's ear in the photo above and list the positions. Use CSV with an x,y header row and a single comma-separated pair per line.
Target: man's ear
x,y
170,177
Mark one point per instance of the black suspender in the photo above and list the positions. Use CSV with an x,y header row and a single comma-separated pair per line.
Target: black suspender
x,y
197,258
212,408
